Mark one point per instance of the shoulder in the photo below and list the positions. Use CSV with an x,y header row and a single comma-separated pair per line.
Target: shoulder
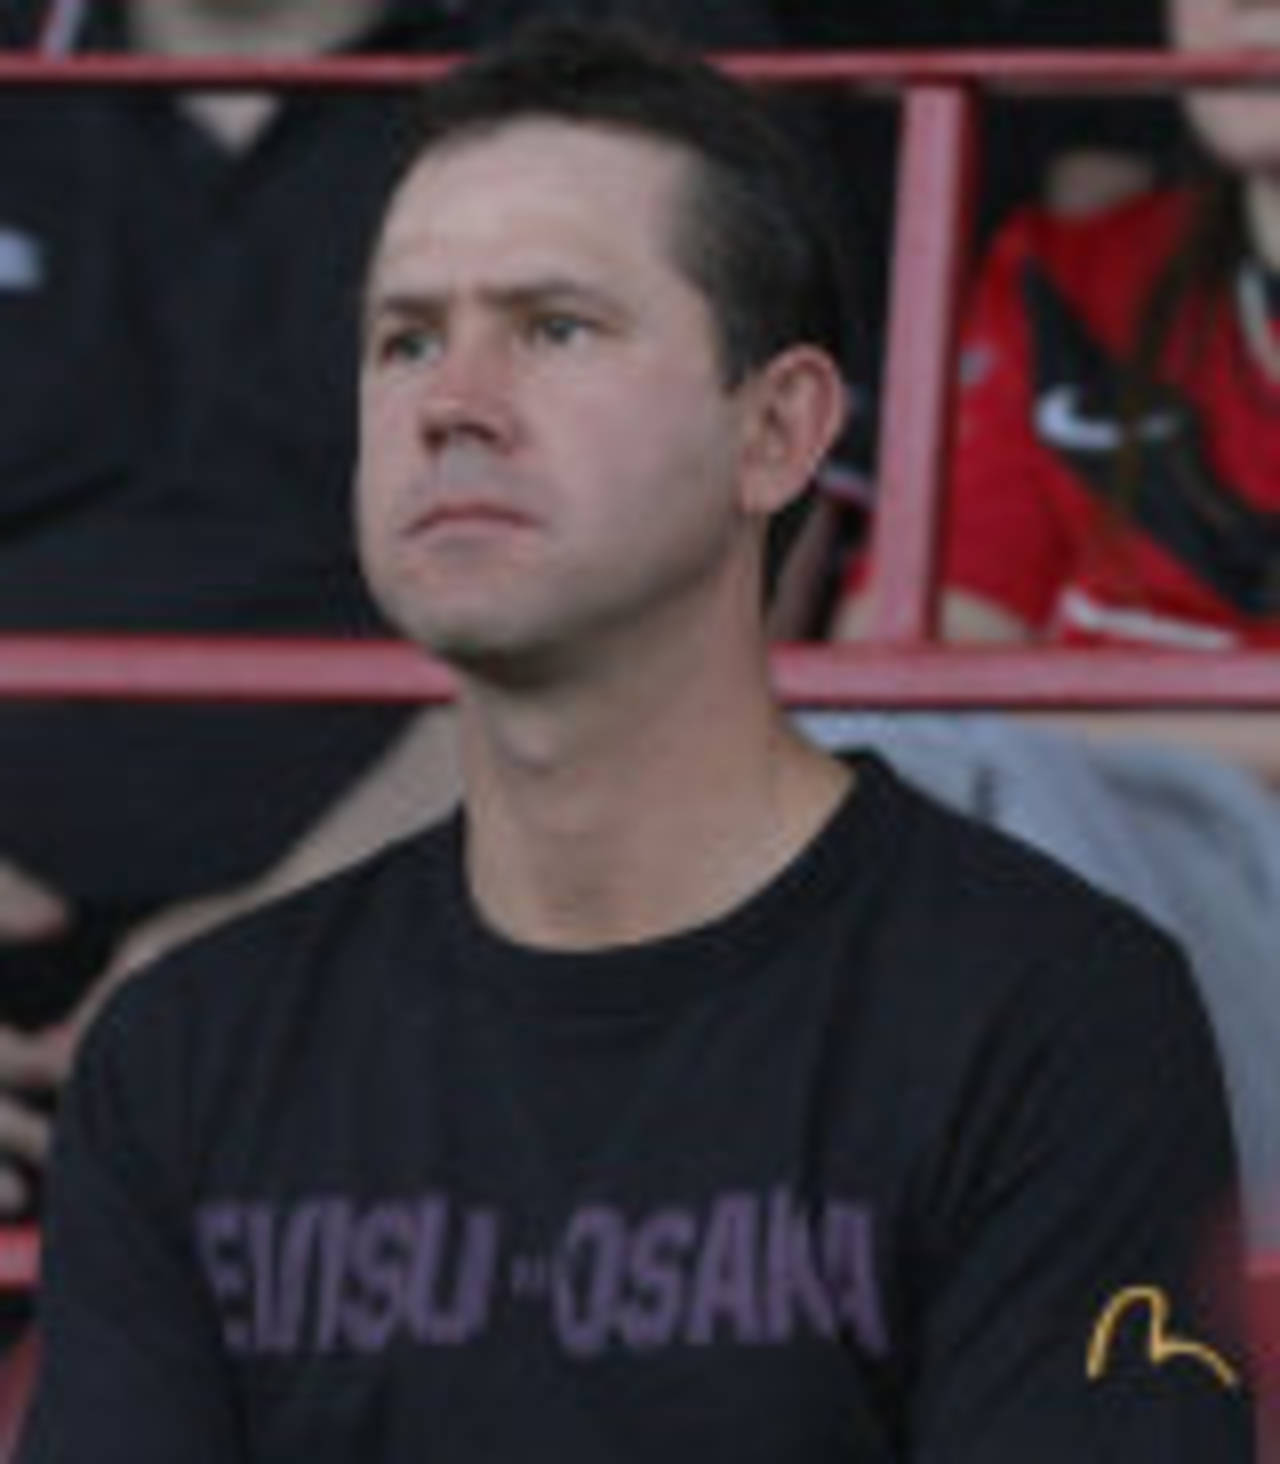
x,y
1002,978
1114,251
257,1018
306,957
1051,293
1154,217
986,915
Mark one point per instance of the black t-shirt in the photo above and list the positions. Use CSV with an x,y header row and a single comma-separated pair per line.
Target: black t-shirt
x,y
920,1153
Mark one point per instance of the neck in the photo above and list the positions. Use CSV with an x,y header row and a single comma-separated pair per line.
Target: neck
x,y
1262,218
649,801
250,30
273,29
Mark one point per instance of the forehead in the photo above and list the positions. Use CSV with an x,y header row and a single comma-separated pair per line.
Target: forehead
x,y
605,196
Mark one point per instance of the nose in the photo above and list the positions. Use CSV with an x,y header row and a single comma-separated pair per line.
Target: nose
x,y
468,395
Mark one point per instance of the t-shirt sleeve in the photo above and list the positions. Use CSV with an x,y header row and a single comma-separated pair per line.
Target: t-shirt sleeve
x,y
1002,536
131,1368
1080,1290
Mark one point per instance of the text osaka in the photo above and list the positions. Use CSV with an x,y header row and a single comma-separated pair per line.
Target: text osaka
x,y
325,1274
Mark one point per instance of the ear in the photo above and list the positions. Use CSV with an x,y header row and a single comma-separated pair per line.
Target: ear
x,y
794,408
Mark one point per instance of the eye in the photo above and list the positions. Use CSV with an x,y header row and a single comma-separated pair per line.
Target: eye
x,y
557,328
407,345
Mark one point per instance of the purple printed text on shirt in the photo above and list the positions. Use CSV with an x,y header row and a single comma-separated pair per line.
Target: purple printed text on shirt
x,y
322,1274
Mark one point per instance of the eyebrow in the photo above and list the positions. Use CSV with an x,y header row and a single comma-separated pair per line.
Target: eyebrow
x,y
410,304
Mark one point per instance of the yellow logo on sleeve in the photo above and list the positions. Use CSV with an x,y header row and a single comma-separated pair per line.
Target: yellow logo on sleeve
x,y
1163,1345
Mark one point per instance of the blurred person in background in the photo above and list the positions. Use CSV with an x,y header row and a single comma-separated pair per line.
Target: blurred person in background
x,y
1116,471
1070,152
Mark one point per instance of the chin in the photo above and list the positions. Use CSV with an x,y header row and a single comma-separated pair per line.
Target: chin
x,y
513,664
446,615
469,640
1240,133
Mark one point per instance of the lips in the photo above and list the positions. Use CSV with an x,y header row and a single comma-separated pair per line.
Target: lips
x,y
468,513
466,489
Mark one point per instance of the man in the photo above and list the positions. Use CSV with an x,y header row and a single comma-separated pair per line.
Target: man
x,y
176,324
689,1095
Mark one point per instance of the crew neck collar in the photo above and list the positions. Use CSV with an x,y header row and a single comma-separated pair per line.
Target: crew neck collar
x,y
847,857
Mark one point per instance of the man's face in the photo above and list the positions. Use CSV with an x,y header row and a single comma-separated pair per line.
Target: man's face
x,y
547,450
1240,127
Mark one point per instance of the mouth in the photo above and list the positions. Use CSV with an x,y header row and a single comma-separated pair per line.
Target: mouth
x,y
468,514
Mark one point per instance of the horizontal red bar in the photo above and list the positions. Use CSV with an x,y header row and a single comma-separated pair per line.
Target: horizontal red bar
x,y
177,668
1057,70
19,1257
948,677
172,668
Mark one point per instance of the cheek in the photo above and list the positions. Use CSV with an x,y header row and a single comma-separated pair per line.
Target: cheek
x,y
381,420
659,421
660,471
1200,25
1240,129
383,451
371,535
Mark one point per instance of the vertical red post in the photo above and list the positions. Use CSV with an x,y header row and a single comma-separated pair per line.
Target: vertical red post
x,y
937,179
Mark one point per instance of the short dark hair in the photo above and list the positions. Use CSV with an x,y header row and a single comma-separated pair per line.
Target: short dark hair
x,y
752,234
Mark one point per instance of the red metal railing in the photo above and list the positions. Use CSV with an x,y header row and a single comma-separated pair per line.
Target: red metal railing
x,y
19,1257
901,667
902,674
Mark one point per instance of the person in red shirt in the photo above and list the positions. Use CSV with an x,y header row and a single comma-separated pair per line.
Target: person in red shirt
x,y
1116,474
1117,460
